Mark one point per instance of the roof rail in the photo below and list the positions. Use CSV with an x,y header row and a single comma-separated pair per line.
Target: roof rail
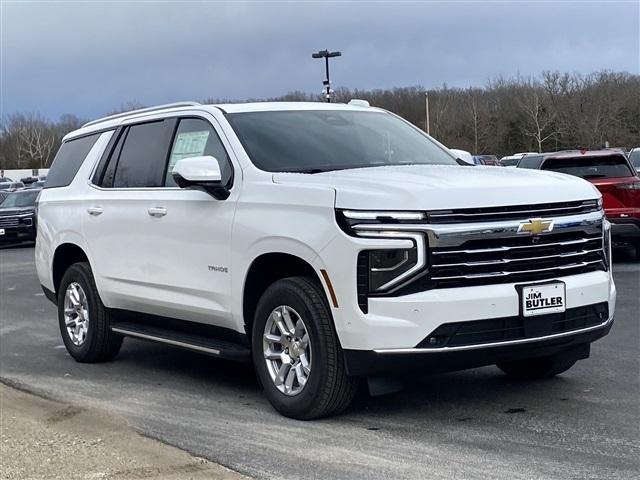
x,y
142,110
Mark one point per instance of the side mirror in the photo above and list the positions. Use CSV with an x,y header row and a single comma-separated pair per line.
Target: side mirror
x,y
201,173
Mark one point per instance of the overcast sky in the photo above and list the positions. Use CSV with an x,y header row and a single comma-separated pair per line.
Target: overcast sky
x,y
89,58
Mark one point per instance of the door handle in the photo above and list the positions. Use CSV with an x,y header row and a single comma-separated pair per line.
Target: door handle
x,y
95,210
157,211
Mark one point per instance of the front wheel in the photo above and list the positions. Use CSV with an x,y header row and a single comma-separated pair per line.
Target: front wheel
x,y
296,352
534,368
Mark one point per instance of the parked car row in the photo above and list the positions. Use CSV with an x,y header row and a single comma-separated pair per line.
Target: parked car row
x,y
613,174
18,209
18,216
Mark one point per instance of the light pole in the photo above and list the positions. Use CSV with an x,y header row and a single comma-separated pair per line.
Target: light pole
x,y
326,54
426,105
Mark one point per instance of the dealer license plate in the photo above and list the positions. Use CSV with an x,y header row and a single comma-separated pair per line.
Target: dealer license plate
x,y
543,299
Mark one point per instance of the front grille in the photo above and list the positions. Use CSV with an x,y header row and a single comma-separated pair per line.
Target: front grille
x,y
514,212
9,222
514,259
505,329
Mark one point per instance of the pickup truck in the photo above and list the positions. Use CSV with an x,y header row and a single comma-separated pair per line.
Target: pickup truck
x,y
329,244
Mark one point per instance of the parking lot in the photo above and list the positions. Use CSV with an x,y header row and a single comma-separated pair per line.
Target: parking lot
x,y
471,424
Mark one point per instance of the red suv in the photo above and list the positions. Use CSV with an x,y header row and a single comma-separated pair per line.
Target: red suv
x,y
616,178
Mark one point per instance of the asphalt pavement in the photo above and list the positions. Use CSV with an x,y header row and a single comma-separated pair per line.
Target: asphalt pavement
x,y
474,424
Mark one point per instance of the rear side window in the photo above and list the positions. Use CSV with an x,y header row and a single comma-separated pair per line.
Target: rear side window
x,y
68,160
143,156
606,166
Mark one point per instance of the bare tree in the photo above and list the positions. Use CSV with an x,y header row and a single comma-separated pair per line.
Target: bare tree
x,y
33,138
540,117
505,116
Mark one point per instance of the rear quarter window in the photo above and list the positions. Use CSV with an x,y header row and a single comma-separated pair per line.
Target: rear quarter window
x,y
607,166
68,161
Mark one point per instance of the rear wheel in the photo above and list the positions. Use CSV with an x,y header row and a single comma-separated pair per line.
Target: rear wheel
x,y
544,367
296,352
84,321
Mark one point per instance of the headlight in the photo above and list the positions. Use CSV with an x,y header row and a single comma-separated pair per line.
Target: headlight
x,y
386,266
606,242
26,219
347,219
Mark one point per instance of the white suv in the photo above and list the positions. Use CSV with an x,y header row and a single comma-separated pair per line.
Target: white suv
x,y
327,243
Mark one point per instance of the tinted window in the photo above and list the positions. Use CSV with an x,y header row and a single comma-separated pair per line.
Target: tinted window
x,y
196,137
608,166
530,161
634,156
110,171
143,156
68,160
320,140
20,199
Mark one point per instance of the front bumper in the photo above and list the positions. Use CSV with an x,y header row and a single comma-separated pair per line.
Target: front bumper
x,y
26,233
575,345
399,323
625,231
398,326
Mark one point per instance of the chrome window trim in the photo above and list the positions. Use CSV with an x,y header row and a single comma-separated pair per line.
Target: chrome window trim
x,y
150,117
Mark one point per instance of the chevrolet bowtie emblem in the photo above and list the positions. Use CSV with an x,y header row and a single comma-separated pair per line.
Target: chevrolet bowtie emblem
x,y
536,226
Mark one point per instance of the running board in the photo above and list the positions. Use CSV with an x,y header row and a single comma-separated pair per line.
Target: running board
x,y
189,341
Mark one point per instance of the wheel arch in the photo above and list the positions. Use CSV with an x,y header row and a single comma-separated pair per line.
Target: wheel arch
x,y
266,269
65,255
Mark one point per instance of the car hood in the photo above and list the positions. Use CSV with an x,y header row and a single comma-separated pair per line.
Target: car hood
x,y
434,187
5,212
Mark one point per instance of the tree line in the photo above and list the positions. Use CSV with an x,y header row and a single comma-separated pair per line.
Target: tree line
x,y
554,111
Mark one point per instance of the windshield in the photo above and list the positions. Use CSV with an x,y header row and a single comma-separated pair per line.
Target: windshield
x,y
20,199
610,166
313,141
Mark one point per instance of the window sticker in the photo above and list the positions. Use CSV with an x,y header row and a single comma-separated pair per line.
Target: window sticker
x,y
188,144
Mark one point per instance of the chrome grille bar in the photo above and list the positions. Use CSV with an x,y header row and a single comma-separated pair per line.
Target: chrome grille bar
x,y
503,261
9,222
517,247
473,276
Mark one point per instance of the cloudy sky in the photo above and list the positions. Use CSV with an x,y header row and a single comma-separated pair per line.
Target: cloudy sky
x,y
88,58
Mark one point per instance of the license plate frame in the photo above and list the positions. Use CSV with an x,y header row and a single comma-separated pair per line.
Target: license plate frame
x,y
542,298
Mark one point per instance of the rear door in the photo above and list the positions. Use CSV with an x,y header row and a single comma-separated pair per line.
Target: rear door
x,y
116,213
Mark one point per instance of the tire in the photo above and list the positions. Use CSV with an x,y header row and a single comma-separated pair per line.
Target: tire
x,y
328,389
536,368
99,343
